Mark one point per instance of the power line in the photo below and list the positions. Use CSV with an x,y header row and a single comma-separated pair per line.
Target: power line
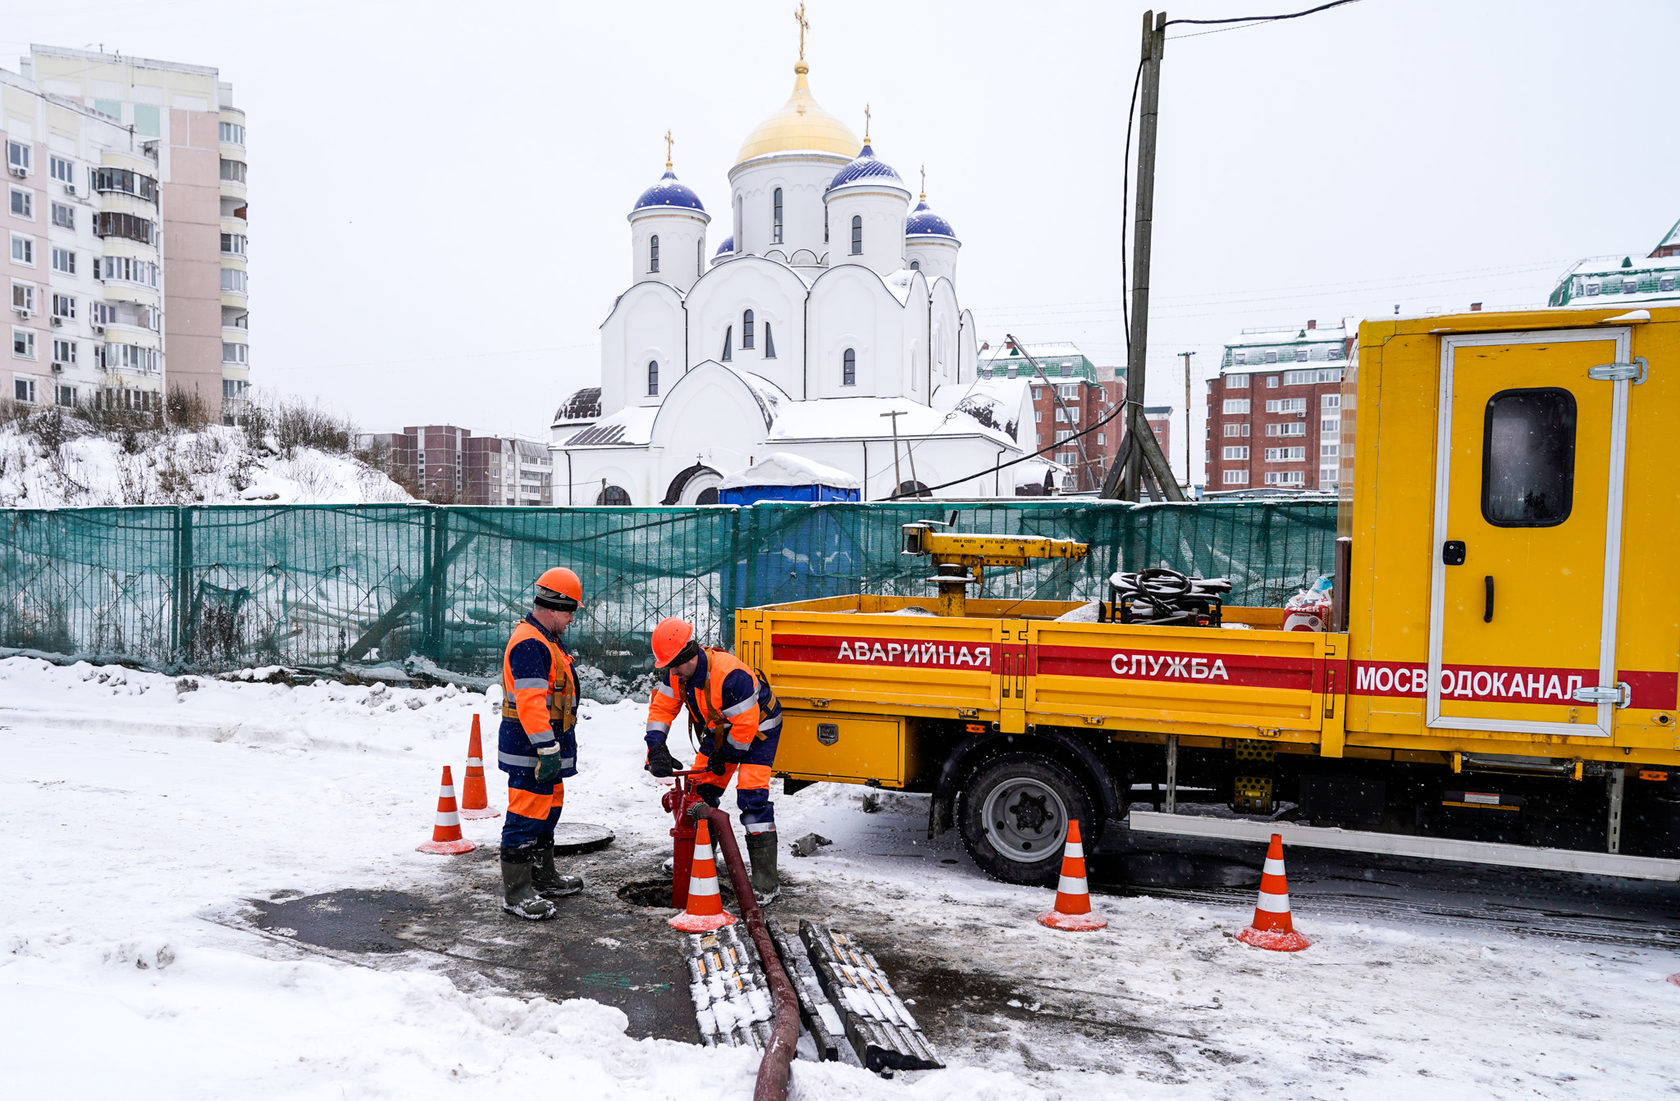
x,y
1264,18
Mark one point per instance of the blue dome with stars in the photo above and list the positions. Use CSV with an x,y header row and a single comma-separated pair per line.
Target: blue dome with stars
x,y
923,221
865,167
727,246
669,191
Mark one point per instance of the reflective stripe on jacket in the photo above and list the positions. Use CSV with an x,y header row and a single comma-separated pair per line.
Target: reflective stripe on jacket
x,y
539,696
726,700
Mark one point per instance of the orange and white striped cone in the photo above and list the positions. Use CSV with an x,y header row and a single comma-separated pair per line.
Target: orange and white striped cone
x,y
475,801
1272,928
1073,898
446,834
705,906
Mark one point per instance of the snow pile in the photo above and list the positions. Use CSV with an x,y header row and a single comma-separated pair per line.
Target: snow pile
x,y
215,465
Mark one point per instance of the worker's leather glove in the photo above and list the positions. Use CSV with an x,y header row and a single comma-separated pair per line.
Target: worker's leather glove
x,y
660,762
548,764
703,762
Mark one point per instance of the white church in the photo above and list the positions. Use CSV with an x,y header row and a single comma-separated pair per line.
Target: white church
x,y
826,328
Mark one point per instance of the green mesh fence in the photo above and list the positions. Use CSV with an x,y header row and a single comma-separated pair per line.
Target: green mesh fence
x,y
335,587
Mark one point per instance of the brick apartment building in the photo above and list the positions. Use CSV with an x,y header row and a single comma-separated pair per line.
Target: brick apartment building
x,y
1274,411
1069,395
450,465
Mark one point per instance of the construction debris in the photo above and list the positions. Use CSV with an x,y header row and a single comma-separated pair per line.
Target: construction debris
x,y
732,1002
809,844
877,1022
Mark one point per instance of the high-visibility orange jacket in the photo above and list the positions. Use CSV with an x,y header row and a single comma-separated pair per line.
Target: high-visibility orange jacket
x,y
728,704
539,696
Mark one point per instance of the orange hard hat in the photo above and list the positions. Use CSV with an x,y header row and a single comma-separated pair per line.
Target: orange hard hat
x,y
673,643
560,589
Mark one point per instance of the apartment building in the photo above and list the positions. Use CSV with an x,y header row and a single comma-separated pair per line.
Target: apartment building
x,y
1274,411
450,465
1635,278
1070,395
126,223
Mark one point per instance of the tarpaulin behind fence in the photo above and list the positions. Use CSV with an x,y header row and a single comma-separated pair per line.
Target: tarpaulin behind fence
x,y
223,587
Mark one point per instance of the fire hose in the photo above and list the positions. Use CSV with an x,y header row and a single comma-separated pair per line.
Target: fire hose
x,y
777,1064
776,1067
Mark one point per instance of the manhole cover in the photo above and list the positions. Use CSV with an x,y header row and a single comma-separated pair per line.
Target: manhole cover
x,y
581,837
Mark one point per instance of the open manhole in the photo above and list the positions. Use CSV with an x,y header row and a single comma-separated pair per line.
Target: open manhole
x,y
657,892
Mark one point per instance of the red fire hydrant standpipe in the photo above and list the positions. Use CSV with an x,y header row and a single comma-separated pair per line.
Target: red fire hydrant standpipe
x,y
776,1067
684,793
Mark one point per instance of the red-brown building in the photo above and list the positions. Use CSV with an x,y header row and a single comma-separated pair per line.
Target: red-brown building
x,y
1274,411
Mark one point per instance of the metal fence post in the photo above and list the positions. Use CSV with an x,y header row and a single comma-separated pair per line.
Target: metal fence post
x,y
181,645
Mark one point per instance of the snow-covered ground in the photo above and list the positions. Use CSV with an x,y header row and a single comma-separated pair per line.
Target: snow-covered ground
x,y
141,812
217,465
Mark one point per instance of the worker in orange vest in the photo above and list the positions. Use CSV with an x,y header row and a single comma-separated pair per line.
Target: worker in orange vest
x,y
738,722
537,746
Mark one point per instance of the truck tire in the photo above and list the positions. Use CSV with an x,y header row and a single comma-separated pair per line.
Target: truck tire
x,y
1015,811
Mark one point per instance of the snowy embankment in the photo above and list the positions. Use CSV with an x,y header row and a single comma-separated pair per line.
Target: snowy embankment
x,y
141,810
215,465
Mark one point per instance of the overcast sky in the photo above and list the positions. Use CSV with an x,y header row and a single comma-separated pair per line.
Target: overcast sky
x,y
438,194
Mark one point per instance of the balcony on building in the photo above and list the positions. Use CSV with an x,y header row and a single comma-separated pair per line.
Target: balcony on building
x,y
233,177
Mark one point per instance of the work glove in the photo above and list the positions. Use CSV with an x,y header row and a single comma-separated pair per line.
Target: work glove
x,y
548,764
703,761
660,762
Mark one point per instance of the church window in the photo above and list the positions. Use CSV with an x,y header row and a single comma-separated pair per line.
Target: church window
x,y
699,256
915,265
653,377
848,368
776,223
612,495
746,330
769,343
729,344
653,253
857,235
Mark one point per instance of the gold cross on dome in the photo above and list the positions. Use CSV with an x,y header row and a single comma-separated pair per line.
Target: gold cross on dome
x,y
866,124
804,25
924,183
668,143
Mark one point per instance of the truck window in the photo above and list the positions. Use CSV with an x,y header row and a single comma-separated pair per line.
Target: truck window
x,y
1528,458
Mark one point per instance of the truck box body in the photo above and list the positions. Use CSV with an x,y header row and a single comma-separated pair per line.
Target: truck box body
x,y
1512,516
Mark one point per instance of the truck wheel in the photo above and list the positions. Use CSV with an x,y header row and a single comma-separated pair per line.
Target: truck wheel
x,y
1015,811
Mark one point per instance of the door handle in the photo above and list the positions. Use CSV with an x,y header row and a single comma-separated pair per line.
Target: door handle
x,y
1487,607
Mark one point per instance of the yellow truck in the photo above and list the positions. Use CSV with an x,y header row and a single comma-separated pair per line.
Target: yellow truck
x,y
1497,683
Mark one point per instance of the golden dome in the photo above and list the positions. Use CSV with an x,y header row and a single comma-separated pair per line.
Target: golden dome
x,y
800,125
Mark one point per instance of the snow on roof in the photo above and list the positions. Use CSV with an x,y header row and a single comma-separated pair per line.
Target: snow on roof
x,y
994,402
1298,334
899,284
1608,266
631,426
783,468
865,418
1051,350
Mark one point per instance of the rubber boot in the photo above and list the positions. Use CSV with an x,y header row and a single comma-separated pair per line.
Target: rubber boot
x,y
761,852
518,897
548,882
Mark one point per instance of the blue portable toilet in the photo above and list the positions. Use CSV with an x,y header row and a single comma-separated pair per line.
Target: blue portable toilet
x,y
783,476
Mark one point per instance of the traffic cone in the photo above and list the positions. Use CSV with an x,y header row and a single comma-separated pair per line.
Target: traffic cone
x,y
446,834
475,802
705,907
1272,928
1073,898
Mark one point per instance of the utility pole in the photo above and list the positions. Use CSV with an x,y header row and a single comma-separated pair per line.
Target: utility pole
x,y
1187,479
1055,396
898,480
1142,454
